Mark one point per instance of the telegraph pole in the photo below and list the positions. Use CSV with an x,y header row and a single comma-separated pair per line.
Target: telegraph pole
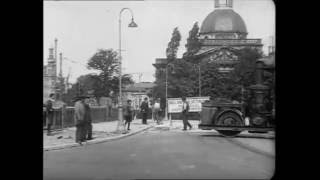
x,y
60,77
56,60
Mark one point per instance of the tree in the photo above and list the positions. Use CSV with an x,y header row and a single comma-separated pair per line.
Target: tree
x,y
193,43
91,82
173,45
107,63
180,79
216,84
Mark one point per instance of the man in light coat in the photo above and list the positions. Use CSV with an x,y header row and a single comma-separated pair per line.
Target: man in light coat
x,y
79,117
185,113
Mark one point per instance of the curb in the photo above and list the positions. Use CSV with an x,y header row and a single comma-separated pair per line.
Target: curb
x,y
251,148
64,146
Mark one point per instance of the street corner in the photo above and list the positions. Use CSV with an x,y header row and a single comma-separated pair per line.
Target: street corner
x,y
57,143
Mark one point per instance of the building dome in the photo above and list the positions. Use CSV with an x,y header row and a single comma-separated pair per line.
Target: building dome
x,y
223,20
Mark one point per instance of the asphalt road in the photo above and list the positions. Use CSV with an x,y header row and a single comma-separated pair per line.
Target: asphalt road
x,y
159,154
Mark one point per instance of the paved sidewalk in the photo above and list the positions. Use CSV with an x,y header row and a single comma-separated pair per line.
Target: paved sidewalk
x,y
101,132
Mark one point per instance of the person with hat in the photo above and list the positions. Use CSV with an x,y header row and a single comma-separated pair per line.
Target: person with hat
x,y
88,121
144,110
49,109
79,117
185,112
128,113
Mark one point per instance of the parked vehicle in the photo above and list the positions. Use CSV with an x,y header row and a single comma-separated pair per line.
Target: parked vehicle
x,y
228,117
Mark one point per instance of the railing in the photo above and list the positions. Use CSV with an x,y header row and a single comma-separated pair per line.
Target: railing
x,y
231,41
64,117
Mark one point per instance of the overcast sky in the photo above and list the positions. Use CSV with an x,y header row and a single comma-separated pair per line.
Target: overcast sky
x,y
82,27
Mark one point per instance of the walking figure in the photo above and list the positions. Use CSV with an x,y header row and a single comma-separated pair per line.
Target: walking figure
x,y
49,108
144,110
128,114
185,112
157,111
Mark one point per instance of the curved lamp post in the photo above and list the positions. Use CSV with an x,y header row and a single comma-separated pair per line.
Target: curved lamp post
x,y
132,24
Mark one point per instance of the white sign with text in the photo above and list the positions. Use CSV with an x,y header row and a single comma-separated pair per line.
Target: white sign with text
x,y
175,104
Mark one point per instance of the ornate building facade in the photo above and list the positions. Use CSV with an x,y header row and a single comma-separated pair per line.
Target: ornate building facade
x,y
222,33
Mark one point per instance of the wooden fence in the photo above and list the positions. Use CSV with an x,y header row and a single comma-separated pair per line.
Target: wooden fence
x,y
64,117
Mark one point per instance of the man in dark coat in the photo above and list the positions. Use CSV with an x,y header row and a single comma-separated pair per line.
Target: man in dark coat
x,y
88,122
185,112
79,118
49,108
128,114
144,110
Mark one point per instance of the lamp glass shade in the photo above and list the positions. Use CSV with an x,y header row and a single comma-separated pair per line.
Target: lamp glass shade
x,y
132,24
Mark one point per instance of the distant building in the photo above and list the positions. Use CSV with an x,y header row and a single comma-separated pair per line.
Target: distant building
x,y
137,92
51,82
49,76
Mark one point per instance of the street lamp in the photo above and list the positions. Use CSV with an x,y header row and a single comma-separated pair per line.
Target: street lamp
x,y
199,76
166,110
132,24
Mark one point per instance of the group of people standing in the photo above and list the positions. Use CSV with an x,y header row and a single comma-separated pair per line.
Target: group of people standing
x,y
83,120
129,113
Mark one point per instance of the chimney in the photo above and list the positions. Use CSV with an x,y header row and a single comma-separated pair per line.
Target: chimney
x,y
51,53
60,73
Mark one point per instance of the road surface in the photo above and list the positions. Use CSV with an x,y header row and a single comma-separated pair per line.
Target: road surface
x,y
159,154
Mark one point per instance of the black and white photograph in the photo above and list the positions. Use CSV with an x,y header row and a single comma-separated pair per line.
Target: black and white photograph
x,y
159,89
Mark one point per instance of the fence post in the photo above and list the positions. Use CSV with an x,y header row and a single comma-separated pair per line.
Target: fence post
x,y
54,118
63,110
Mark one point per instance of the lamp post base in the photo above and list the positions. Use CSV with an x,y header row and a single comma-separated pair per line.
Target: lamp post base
x,y
120,120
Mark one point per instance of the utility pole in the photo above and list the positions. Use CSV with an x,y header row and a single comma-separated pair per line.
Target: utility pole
x,y
140,75
55,61
199,81
60,72
60,77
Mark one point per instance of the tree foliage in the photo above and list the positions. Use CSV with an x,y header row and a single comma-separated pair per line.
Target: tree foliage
x,y
193,43
107,63
173,45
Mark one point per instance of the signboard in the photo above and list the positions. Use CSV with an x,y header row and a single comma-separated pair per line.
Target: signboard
x,y
175,104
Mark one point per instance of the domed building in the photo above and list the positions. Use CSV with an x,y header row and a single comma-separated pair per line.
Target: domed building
x,y
222,32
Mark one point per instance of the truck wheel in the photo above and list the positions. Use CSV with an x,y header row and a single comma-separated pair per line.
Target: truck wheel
x,y
229,119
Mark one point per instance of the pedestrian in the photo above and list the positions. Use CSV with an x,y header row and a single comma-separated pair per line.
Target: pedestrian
x,y
185,112
88,122
128,114
157,110
144,110
49,109
79,117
